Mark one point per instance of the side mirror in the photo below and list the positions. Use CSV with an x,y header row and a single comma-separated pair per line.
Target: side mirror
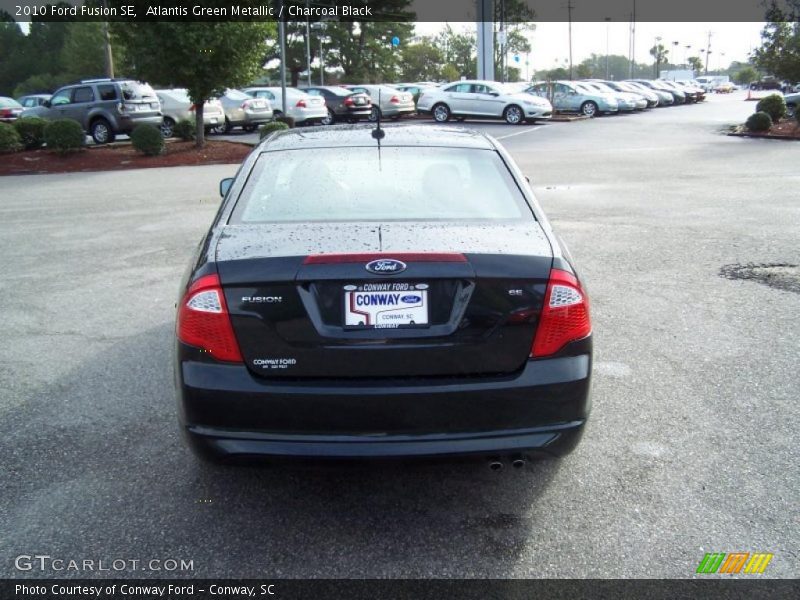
x,y
46,103
225,185
495,94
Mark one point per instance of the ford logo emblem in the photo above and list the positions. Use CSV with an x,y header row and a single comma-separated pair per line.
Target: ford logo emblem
x,y
385,266
411,299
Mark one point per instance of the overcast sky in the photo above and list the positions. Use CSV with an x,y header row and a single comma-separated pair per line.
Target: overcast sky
x,y
550,40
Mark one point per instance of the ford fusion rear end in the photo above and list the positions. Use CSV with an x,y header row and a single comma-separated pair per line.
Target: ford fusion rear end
x,y
355,301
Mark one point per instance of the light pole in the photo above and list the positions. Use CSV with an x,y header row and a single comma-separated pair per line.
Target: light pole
x,y
686,54
608,21
320,27
657,56
308,44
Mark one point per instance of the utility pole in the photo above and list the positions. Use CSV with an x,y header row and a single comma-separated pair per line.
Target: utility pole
x,y
633,39
109,56
607,20
308,43
282,36
657,55
569,17
708,51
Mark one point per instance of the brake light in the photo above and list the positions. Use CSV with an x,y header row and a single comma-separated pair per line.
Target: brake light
x,y
5,112
246,104
204,322
193,107
348,102
395,100
565,315
325,259
301,104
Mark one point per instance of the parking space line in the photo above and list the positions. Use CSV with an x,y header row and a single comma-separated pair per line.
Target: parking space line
x,y
502,137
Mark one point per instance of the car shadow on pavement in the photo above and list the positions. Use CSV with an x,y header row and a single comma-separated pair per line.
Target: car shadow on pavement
x,y
95,463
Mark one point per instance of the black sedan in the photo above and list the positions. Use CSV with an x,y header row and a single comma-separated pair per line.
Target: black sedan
x,y
343,104
368,296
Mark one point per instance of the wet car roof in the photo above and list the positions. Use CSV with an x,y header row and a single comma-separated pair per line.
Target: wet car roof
x,y
361,135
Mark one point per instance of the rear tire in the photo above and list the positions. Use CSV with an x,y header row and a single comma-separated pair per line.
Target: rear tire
x,y
250,128
167,127
329,119
441,113
101,132
513,115
589,109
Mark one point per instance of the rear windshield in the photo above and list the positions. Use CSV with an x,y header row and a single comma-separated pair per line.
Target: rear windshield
x,y
237,95
135,90
9,103
397,184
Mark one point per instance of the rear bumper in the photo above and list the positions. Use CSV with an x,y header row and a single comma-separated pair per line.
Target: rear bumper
x,y
226,411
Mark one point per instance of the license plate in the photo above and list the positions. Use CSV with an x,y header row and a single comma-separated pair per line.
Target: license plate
x,y
213,119
385,305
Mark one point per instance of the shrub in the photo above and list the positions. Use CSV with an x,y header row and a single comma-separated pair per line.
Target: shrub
x,y
774,105
64,135
9,138
759,121
31,131
289,121
185,129
147,139
268,128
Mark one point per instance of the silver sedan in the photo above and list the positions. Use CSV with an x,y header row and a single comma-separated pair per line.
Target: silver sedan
x,y
391,102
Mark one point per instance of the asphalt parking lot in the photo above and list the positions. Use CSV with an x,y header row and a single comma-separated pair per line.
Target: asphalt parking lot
x,y
691,448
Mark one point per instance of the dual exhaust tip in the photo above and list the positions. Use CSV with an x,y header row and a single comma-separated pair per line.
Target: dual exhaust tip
x,y
496,464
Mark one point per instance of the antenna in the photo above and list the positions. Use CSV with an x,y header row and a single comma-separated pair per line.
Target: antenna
x,y
378,133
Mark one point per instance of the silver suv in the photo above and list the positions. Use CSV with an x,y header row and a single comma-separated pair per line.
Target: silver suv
x,y
103,107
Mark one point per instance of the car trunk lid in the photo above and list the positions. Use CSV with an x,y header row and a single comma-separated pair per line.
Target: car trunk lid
x,y
468,297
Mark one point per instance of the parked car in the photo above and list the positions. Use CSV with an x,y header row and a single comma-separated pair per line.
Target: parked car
x,y
792,102
10,109
572,96
665,98
650,98
388,101
483,99
724,87
693,92
177,106
354,303
242,110
33,100
626,101
678,96
103,107
414,89
342,104
303,108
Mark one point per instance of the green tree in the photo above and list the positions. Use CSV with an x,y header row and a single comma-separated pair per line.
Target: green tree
x,y
459,51
83,53
745,76
779,53
659,54
518,18
203,57
583,71
364,51
421,61
696,64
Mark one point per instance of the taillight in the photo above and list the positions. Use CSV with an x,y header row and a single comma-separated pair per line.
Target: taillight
x,y
395,100
204,322
348,102
5,112
246,104
301,104
565,315
193,108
